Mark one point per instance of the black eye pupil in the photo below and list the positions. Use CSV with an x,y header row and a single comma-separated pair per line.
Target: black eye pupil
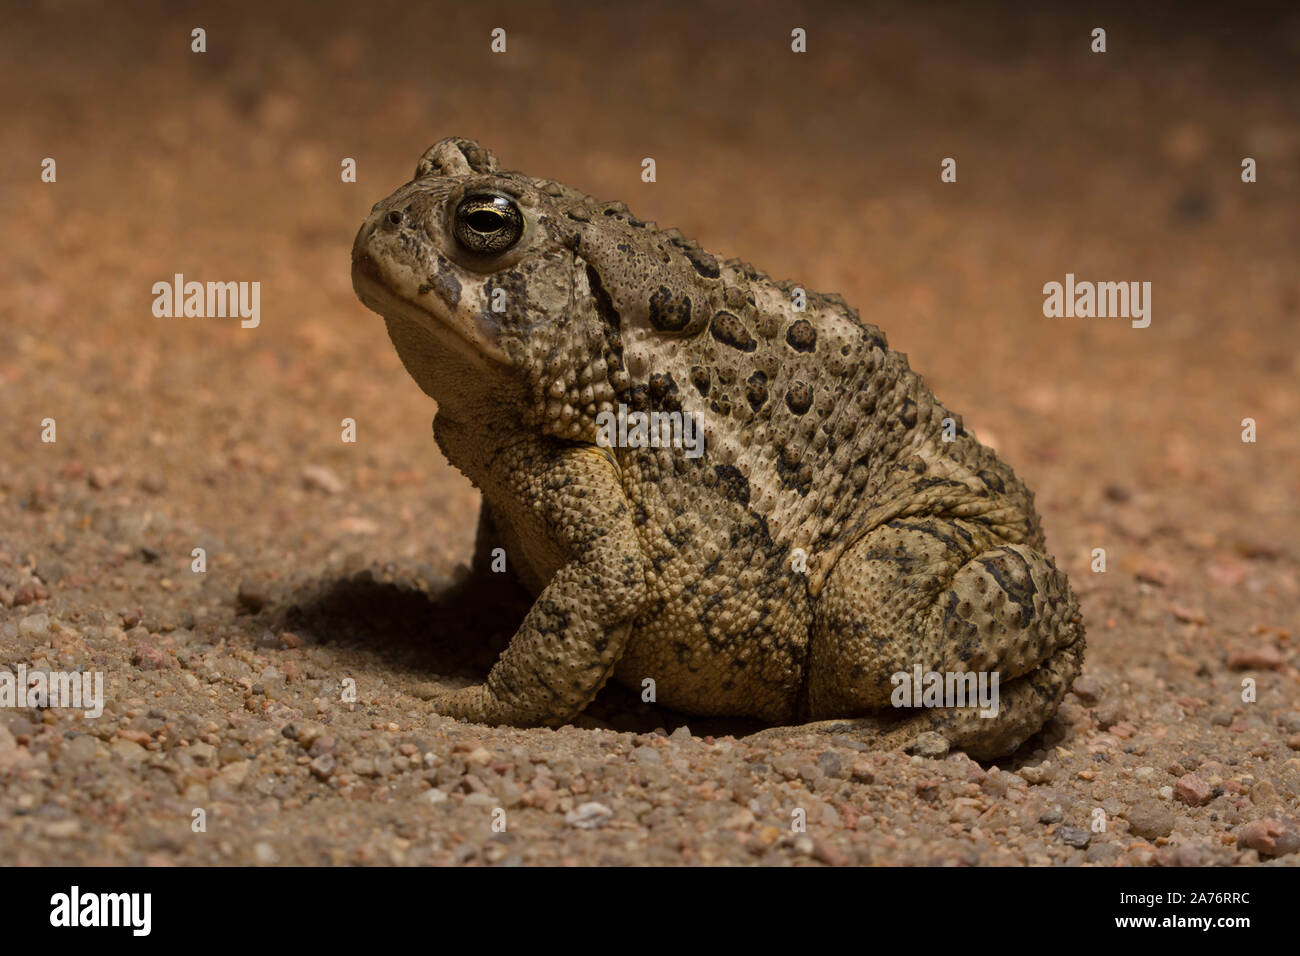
x,y
484,221
487,224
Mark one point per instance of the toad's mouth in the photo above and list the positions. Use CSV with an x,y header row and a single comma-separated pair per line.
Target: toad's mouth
x,y
464,329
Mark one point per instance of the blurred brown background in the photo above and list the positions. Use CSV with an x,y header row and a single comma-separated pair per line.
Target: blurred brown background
x,y
822,167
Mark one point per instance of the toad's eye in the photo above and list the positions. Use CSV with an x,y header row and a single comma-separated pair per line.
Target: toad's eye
x,y
487,225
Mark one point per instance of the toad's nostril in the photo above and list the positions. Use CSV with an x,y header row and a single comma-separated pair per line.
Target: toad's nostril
x,y
395,217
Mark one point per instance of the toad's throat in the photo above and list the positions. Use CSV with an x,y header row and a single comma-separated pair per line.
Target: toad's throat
x,y
463,328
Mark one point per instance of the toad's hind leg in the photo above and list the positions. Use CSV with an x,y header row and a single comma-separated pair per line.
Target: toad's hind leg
x,y
945,595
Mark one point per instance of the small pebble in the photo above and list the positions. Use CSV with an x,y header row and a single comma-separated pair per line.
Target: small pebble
x,y
1074,836
1043,773
320,478
1150,820
1102,853
1264,658
1087,690
35,626
929,744
1193,791
1269,836
589,816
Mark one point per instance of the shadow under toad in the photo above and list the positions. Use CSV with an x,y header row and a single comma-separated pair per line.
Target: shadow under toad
x,y
454,632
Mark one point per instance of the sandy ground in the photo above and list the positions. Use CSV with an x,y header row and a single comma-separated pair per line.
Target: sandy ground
x,y
224,688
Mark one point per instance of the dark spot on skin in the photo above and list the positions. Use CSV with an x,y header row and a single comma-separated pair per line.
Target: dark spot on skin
x,y
661,560
554,614
756,390
700,379
444,282
729,330
794,475
960,631
966,538
669,313
721,407
679,538
992,480
733,483
611,321
799,397
604,304
703,263
637,398
943,534
663,391
925,484
908,417
1009,569
802,336
619,211
874,338
906,563
614,352
733,297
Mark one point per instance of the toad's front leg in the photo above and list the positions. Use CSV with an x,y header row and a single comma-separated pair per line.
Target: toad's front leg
x,y
574,633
